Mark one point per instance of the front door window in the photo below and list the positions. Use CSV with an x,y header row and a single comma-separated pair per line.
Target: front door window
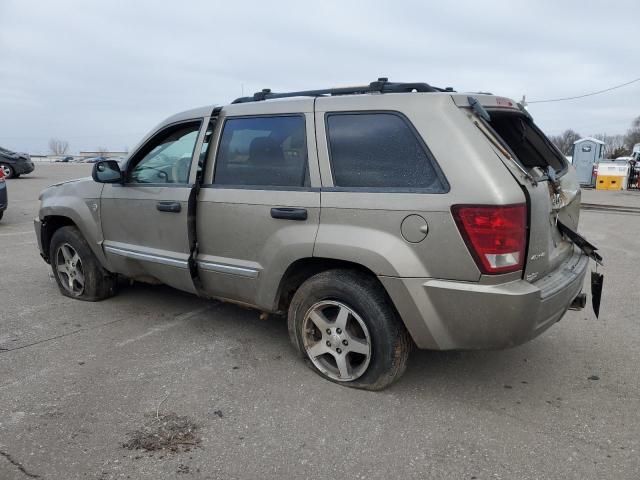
x,y
166,158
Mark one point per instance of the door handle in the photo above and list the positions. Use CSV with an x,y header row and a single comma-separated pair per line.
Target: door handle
x,y
173,207
289,213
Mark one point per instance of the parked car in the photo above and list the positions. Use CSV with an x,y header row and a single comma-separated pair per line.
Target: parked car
x,y
14,164
65,159
375,218
94,159
4,197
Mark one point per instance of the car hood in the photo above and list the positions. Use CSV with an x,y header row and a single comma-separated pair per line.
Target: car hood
x,y
79,187
74,180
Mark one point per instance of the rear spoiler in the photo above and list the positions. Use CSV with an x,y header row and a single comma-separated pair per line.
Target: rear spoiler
x,y
487,100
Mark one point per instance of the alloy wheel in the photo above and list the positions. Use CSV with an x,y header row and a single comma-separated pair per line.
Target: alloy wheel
x,y
336,340
69,269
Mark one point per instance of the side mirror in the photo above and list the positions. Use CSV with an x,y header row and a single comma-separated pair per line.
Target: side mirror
x,y
107,171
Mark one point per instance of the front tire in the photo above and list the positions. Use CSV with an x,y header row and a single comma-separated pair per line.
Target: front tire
x,y
344,325
76,269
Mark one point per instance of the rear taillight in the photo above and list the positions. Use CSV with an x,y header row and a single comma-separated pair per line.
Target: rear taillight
x,y
495,235
1,175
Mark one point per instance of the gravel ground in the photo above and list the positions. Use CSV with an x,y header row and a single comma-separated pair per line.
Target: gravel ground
x,y
78,379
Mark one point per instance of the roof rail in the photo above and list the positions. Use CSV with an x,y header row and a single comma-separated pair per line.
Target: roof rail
x,y
382,85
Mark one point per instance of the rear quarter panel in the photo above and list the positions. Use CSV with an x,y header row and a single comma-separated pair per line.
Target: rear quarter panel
x,y
365,226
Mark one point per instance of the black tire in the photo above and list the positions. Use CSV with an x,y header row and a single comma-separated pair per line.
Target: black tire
x,y
1,214
8,168
390,343
98,283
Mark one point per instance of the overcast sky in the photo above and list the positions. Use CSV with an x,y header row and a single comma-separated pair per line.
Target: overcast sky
x,y
102,73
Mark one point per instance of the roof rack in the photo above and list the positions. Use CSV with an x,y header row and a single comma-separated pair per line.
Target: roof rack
x,y
382,85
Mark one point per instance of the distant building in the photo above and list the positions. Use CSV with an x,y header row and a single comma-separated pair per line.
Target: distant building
x,y
87,154
587,152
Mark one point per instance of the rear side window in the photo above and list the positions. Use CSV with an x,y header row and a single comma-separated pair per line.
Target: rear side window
x,y
263,151
380,150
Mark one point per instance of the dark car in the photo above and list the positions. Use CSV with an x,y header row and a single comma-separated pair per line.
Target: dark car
x,y
14,164
94,159
3,194
66,159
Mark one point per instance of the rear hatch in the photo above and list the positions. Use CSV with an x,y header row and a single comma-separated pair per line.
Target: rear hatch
x,y
549,183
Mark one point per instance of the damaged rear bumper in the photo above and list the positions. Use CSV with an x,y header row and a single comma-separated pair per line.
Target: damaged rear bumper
x,y
447,315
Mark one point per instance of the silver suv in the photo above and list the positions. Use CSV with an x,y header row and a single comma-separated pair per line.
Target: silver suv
x,y
376,218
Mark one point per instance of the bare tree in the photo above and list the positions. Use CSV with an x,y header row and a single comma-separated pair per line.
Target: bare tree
x,y
58,147
633,134
614,145
102,151
565,140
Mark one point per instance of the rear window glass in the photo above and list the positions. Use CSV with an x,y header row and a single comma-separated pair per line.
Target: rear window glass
x,y
263,151
379,150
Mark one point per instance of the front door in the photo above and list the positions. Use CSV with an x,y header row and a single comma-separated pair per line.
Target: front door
x,y
144,221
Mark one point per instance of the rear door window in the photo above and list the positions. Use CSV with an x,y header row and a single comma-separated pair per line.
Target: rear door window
x,y
380,150
263,151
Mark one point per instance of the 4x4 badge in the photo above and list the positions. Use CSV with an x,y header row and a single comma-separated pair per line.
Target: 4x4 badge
x,y
538,256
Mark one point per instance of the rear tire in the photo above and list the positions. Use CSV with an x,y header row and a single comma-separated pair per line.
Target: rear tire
x,y
344,325
76,269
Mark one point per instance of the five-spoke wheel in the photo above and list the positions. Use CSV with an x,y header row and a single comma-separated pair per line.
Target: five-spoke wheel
x,y
337,340
345,326
76,269
69,269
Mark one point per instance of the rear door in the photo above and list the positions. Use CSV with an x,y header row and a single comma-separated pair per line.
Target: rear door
x,y
384,196
259,207
144,221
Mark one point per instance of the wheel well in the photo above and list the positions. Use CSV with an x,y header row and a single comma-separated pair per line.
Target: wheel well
x,y
301,270
49,226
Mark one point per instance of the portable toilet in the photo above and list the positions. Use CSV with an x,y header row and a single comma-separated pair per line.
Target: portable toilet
x,y
587,152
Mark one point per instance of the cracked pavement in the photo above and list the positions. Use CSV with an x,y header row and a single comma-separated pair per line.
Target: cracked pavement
x,y
76,378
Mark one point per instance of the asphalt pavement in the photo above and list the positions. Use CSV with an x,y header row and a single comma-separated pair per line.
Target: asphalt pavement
x,y
77,379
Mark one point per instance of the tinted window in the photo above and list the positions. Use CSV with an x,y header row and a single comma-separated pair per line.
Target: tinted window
x,y
378,150
268,151
167,157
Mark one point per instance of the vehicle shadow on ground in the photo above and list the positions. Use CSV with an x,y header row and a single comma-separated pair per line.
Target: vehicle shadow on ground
x,y
464,371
